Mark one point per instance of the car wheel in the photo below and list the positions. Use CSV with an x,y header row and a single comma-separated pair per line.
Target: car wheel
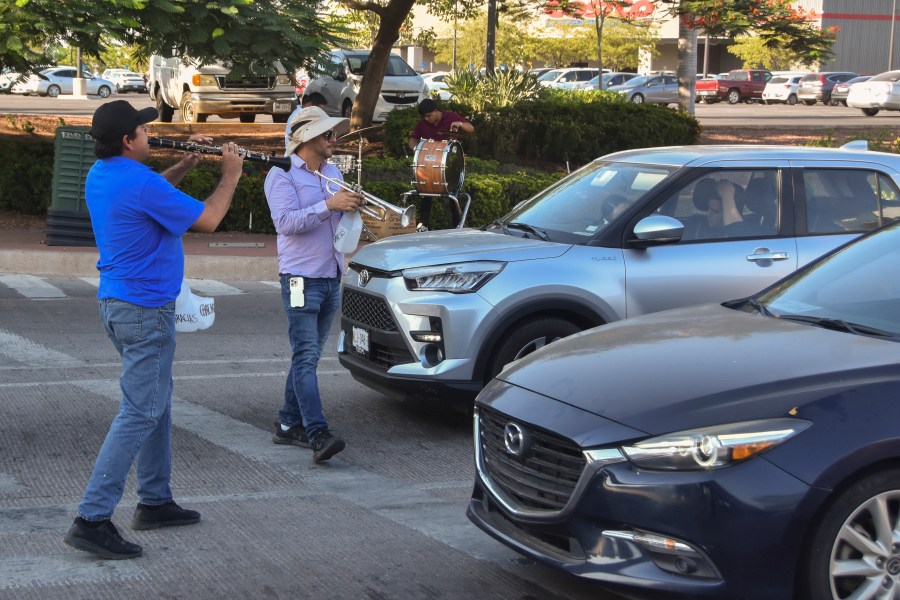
x,y
165,111
870,112
188,114
104,91
247,117
526,338
637,99
809,102
346,109
119,90
53,91
792,99
280,118
854,551
734,96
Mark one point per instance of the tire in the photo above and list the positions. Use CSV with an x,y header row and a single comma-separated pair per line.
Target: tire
x,y
165,111
527,337
346,109
809,102
247,117
119,90
869,112
104,91
826,100
280,118
848,553
734,96
638,99
53,91
188,114
792,99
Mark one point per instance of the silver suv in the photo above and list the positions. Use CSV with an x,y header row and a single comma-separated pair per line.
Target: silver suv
x,y
634,232
344,69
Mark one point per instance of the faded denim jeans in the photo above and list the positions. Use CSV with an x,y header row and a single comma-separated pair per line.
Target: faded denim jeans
x,y
142,431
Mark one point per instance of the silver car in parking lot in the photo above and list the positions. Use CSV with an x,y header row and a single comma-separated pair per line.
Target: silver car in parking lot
x,y
440,313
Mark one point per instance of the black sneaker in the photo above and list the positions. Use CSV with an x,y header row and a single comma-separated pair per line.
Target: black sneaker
x,y
100,538
296,435
325,445
164,515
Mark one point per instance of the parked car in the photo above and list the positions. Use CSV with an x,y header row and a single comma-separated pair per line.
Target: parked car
x,y
881,92
440,313
436,85
782,89
402,86
739,450
539,71
7,80
842,90
662,89
559,76
817,87
740,85
58,80
609,80
125,80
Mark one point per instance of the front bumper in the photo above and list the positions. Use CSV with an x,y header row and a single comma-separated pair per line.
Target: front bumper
x,y
732,532
225,104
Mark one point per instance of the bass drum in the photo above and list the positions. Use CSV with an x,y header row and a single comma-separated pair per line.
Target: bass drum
x,y
439,167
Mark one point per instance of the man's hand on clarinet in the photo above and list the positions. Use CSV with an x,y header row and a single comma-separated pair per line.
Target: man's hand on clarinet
x,y
345,201
232,161
192,159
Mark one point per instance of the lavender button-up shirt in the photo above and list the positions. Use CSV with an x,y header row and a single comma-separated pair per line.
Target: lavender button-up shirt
x,y
304,224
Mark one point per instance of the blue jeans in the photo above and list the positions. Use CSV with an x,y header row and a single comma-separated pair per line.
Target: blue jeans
x,y
308,329
145,339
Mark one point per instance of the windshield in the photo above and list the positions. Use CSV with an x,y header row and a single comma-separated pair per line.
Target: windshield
x,y
889,76
549,76
859,286
637,81
587,201
396,65
778,80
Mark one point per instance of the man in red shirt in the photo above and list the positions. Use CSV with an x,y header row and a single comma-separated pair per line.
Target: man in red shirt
x,y
435,123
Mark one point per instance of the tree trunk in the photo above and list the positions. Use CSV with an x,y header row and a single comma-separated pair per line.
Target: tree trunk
x,y
598,26
391,19
687,64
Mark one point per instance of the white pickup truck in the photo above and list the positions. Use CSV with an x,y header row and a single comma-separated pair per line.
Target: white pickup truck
x,y
196,92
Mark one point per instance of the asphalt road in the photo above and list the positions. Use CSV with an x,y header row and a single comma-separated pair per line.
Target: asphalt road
x,y
774,116
383,519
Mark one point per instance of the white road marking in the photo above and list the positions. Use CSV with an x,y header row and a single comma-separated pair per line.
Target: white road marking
x,y
31,286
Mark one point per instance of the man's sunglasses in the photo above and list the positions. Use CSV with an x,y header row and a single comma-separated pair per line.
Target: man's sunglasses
x,y
329,136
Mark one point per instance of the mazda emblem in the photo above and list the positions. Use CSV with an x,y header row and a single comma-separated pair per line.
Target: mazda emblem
x,y
364,278
514,438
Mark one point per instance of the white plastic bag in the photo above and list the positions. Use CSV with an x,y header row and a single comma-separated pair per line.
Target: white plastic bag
x,y
193,312
346,238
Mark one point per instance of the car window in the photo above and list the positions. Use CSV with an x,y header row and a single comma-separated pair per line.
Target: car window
x,y
778,80
397,67
549,76
729,203
845,200
888,76
585,203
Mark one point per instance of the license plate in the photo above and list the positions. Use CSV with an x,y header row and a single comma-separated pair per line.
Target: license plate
x,y
281,107
361,340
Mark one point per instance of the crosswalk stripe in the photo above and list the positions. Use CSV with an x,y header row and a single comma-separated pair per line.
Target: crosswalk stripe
x,y
94,281
23,350
31,286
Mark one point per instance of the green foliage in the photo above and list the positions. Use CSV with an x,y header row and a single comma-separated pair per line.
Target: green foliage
x,y
26,176
885,140
493,90
755,53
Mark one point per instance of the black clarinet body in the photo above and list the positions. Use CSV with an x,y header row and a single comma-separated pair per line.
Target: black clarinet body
x,y
282,162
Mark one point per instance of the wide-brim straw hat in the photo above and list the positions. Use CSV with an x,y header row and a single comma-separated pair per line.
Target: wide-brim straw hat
x,y
312,122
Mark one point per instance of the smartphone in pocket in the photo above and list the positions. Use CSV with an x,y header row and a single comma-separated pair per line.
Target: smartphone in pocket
x,y
296,287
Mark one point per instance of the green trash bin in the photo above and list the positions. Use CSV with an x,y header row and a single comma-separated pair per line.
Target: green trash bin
x,y
68,219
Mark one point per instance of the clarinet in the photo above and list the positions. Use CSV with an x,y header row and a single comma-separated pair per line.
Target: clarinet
x,y
282,162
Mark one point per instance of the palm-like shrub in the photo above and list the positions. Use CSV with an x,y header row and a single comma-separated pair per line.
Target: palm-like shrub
x,y
493,90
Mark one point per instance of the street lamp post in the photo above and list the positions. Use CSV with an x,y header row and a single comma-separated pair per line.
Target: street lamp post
x,y
893,21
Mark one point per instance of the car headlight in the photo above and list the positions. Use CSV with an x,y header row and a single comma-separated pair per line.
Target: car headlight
x,y
204,80
713,447
461,278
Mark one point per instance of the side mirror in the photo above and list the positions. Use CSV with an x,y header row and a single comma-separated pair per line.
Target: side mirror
x,y
656,230
339,75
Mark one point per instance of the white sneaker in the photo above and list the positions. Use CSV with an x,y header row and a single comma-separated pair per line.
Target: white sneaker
x,y
421,228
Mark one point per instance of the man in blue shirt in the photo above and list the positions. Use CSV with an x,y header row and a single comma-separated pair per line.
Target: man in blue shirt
x,y
138,217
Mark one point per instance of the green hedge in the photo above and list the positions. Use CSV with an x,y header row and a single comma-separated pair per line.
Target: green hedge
x,y
26,175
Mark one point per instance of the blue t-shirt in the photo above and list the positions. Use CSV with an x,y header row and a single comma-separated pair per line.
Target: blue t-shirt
x,y
138,219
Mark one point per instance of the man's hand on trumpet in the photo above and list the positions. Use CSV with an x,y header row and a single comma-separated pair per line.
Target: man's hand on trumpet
x,y
345,201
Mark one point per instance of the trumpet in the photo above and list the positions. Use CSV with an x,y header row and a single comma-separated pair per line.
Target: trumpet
x,y
375,207
282,162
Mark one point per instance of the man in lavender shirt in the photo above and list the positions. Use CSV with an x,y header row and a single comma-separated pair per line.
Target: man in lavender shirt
x,y
306,215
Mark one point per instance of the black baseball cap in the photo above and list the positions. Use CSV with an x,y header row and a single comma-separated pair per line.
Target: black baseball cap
x,y
117,118
426,106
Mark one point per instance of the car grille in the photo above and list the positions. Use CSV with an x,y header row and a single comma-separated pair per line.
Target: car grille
x,y
249,82
544,479
401,97
368,310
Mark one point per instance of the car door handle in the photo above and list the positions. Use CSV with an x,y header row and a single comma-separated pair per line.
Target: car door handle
x,y
768,256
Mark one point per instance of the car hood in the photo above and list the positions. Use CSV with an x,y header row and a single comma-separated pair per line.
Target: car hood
x,y
444,247
700,366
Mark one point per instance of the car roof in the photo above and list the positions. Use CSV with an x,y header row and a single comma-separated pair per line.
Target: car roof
x,y
697,156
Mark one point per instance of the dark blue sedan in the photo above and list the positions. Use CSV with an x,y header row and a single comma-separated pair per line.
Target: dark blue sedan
x,y
743,450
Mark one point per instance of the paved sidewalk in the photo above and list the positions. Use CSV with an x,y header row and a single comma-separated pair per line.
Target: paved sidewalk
x,y
224,256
